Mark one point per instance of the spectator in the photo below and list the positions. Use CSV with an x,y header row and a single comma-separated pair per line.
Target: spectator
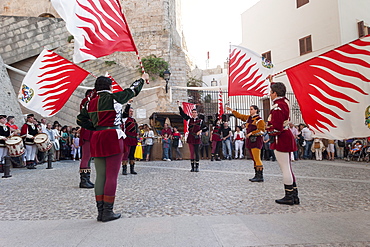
x,y
295,133
301,141
339,145
76,148
51,136
64,149
308,137
167,130
166,143
318,147
331,149
176,143
148,139
239,142
226,141
205,144
56,130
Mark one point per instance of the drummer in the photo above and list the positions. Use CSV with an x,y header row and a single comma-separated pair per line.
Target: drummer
x,y
4,134
28,132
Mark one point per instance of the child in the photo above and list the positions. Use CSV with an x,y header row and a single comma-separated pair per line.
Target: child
x,y
356,147
318,147
138,155
166,142
76,149
239,141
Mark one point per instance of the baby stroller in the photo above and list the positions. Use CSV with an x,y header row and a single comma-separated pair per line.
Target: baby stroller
x,y
355,151
366,153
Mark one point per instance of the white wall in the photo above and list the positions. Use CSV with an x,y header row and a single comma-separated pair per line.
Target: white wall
x,y
351,12
278,25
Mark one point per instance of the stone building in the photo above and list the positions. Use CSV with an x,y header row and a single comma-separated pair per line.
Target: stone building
x,y
29,26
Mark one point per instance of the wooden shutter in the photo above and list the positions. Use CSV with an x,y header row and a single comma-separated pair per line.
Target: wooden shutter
x,y
361,29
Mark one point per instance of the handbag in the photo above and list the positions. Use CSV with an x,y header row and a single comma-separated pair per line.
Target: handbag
x,y
180,144
252,138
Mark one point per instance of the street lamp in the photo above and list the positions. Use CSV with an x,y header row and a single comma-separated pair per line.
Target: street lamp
x,y
213,83
166,76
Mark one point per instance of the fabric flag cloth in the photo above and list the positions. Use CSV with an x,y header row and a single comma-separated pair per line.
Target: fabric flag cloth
x,y
49,83
115,86
333,91
248,72
98,26
187,107
220,105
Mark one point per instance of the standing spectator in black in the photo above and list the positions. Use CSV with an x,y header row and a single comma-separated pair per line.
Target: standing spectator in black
x,y
339,145
226,141
205,144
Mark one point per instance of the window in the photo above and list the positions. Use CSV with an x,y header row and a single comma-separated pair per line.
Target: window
x,y
305,45
300,3
361,29
267,55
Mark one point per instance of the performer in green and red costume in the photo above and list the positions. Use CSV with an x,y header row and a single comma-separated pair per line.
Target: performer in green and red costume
x,y
107,140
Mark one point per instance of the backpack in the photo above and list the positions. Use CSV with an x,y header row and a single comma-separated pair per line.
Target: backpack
x,y
341,144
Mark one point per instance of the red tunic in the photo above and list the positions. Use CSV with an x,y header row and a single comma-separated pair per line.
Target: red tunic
x,y
216,136
131,129
195,125
278,126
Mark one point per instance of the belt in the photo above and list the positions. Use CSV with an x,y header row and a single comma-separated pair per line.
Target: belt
x,y
106,127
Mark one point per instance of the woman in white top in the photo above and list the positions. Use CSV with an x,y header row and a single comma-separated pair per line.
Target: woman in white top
x,y
148,140
239,142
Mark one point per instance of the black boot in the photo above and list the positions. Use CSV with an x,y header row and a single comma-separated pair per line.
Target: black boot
x,y
100,205
295,194
218,158
84,181
108,213
255,175
132,167
196,166
212,157
88,179
258,177
192,166
124,167
30,164
288,198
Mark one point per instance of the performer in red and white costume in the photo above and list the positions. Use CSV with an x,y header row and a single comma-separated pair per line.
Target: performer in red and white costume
x,y
28,132
284,144
130,127
196,125
4,134
85,137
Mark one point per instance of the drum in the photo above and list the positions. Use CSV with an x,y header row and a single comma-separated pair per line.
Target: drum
x,y
42,142
15,146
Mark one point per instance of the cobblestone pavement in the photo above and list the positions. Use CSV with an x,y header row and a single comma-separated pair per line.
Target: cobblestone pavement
x,y
164,188
225,208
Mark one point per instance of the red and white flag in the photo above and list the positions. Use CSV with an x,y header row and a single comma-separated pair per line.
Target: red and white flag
x,y
248,72
98,26
115,86
220,105
49,83
187,107
333,91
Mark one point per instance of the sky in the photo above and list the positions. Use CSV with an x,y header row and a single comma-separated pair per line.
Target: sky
x,y
211,26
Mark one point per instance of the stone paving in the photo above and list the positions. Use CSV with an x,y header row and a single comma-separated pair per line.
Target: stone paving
x,y
164,188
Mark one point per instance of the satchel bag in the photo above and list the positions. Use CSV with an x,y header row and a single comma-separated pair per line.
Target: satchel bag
x,y
252,138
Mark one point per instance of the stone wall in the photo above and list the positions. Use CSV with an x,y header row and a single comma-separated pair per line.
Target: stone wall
x,y
155,27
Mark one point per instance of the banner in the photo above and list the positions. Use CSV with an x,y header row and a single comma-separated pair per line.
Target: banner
x,y
99,27
187,107
248,72
49,83
333,91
